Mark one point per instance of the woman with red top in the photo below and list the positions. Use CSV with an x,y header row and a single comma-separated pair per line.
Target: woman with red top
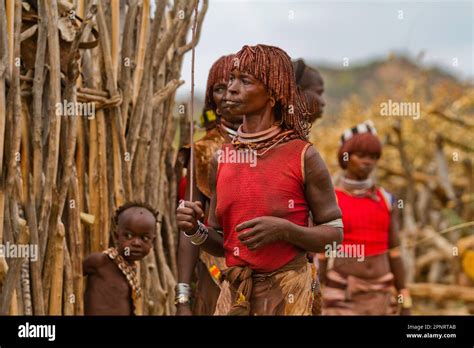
x,y
265,185
190,258
367,264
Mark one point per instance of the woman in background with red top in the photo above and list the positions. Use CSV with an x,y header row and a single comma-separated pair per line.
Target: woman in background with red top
x,y
363,284
263,206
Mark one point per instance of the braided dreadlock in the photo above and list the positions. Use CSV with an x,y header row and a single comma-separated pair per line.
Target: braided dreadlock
x,y
272,66
133,204
219,73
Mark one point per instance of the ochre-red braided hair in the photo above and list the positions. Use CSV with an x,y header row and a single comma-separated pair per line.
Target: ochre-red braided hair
x,y
219,73
272,66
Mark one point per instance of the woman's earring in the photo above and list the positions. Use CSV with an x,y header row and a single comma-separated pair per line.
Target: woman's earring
x,y
218,112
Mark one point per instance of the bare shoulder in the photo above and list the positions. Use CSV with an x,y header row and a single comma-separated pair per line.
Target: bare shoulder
x,y
319,189
315,167
93,262
311,152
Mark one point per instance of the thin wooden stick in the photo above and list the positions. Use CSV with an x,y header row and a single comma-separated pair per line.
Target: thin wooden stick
x,y
191,126
54,125
166,91
442,170
38,87
35,265
10,11
69,296
13,275
138,174
104,219
200,19
168,38
14,304
4,67
452,120
440,292
126,62
80,164
56,289
76,242
141,48
115,44
93,184
14,105
25,152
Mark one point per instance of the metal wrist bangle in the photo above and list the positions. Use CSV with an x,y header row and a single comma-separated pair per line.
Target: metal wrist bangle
x,y
182,299
334,223
190,235
200,236
183,288
183,293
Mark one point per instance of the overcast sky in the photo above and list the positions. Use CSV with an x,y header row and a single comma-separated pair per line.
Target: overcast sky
x,y
329,31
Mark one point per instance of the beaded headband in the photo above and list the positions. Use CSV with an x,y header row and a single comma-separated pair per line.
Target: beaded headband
x,y
361,128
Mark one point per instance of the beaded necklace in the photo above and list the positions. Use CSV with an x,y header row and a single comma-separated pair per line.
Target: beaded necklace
x,y
264,140
230,132
358,188
130,273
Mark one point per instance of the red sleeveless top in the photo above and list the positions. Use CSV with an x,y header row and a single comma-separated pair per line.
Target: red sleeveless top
x,y
366,221
272,187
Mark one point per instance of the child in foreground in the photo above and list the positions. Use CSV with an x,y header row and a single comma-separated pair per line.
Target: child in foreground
x,y
112,284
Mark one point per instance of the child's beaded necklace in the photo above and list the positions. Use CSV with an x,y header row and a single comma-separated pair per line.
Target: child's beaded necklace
x,y
130,273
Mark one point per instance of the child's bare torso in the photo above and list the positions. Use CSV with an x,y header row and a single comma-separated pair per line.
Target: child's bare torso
x,y
107,291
